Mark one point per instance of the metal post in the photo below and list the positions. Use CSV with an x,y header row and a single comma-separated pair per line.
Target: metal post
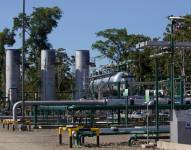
x,y
35,116
126,104
97,139
23,50
119,116
172,68
112,116
147,123
118,90
157,102
126,111
70,141
60,138
182,89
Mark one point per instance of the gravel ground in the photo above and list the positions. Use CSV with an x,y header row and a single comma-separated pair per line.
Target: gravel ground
x,y
47,139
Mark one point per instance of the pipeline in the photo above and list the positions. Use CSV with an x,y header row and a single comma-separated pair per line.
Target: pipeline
x,y
135,138
55,103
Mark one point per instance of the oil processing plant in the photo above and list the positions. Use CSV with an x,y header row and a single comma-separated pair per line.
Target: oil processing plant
x,y
105,98
103,101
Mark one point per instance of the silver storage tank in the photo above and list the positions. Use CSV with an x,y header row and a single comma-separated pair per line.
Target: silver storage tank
x,y
48,59
82,73
12,75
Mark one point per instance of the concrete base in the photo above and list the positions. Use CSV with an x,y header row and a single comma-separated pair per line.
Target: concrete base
x,y
172,146
150,145
180,127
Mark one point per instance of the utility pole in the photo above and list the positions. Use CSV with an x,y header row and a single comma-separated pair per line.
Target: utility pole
x,y
23,59
172,66
157,97
174,20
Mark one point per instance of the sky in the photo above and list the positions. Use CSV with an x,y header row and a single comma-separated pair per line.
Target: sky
x,y
83,18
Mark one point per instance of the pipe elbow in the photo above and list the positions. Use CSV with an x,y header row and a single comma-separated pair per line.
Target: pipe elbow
x,y
14,109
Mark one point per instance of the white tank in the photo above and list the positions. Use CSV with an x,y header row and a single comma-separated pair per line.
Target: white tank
x,y
82,73
48,75
12,75
106,84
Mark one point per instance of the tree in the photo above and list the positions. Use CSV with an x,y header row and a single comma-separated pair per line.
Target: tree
x,y
38,25
143,66
6,38
116,44
64,79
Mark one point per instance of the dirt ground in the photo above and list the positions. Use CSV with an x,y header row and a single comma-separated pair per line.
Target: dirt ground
x,y
47,139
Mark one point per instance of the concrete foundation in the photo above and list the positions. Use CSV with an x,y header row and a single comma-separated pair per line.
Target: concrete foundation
x,y
180,127
172,146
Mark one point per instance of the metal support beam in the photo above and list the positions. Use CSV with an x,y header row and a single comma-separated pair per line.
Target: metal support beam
x,y
163,44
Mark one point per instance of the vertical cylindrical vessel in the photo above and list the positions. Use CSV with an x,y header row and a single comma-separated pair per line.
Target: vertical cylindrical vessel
x,y
82,73
12,74
48,59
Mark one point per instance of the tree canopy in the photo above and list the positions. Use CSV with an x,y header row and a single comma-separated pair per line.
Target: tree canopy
x,y
115,44
39,24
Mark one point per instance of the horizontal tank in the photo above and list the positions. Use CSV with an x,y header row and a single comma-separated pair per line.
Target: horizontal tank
x,y
118,77
48,86
12,75
107,84
82,59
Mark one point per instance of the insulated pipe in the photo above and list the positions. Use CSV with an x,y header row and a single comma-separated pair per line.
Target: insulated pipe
x,y
32,103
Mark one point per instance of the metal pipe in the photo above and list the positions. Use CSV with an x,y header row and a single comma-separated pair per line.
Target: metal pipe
x,y
32,103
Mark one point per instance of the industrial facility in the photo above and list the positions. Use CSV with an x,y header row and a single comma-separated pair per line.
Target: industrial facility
x,y
140,98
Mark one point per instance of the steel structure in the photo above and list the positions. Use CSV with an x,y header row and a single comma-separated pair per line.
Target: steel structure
x,y
48,75
12,75
163,44
82,59
172,45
